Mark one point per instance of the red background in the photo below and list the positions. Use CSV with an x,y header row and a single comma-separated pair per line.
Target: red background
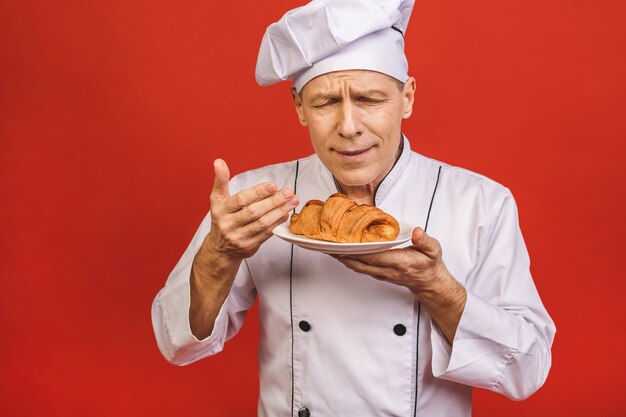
x,y
111,114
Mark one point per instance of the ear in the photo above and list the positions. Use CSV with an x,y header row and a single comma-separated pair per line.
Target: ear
x,y
408,97
297,102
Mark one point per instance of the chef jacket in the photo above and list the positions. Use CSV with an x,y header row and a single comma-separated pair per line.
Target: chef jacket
x,y
334,342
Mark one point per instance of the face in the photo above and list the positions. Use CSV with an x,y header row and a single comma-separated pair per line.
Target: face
x,y
354,119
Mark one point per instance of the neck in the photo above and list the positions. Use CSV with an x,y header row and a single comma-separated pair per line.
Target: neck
x,y
364,194
361,194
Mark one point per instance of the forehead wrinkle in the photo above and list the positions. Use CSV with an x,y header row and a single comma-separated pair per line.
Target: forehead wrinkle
x,y
329,89
358,88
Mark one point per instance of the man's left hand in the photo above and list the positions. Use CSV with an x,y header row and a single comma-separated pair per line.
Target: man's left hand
x,y
421,269
417,267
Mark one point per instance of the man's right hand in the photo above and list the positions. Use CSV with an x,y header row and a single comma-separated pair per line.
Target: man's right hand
x,y
240,224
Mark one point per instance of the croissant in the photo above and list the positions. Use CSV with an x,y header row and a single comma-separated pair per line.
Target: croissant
x,y
340,219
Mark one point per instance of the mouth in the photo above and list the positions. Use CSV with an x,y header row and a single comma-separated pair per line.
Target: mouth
x,y
353,154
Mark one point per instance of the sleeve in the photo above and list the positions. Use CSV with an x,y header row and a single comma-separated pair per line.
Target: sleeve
x,y
170,309
505,334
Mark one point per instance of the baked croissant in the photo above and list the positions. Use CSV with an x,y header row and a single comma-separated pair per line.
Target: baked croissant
x,y
340,219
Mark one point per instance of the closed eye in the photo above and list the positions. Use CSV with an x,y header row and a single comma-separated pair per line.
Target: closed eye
x,y
369,100
326,103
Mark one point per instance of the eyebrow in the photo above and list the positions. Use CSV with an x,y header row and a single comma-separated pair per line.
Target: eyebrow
x,y
364,93
324,96
371,92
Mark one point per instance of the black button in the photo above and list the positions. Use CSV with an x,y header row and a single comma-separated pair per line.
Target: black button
x,y
304,326
304,412
399,329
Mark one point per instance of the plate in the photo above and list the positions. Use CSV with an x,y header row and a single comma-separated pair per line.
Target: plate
x,y
316,245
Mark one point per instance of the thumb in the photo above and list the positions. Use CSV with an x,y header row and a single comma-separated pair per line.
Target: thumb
x,y
222,175
429,246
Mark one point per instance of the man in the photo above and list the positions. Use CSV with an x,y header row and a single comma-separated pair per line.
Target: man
x,y
402,332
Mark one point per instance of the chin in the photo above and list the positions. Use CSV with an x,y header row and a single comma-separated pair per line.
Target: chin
x,y
354,179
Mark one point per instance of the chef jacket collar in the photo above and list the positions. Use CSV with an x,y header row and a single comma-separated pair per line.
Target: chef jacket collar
x,y
386,185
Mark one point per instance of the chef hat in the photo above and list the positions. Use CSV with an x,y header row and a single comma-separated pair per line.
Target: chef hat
x,y
332,35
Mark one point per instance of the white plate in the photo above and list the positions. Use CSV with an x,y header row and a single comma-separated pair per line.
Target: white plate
x,y
316,245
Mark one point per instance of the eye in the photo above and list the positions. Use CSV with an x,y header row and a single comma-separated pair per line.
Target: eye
x,y
369,100
326,103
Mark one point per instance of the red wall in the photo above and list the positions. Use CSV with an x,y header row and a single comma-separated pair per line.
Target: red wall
x,y
112,112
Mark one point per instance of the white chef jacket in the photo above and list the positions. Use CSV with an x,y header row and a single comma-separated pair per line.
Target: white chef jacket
x,y
339,343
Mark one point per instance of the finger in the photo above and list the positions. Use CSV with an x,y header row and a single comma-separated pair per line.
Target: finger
x,y
265,234
378,272
220,182
391,258
426,244
385,258
268,221
248,196
262,207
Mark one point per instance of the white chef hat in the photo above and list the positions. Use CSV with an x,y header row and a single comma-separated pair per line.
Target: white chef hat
x,y
332,35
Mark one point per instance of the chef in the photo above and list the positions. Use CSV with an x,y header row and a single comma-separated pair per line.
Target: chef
x,y
404,332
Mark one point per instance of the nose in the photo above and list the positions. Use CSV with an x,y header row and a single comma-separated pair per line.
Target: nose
x,y
349,123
